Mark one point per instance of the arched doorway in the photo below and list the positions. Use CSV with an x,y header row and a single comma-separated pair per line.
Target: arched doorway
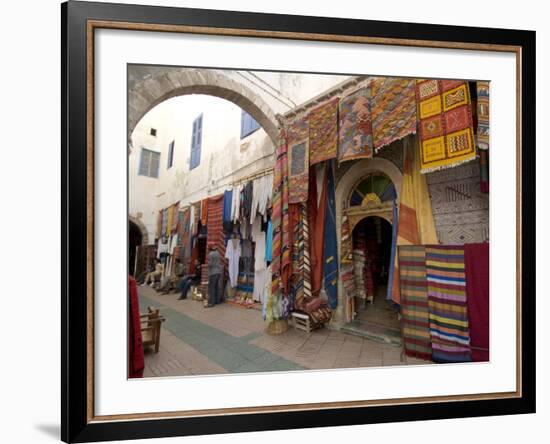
x,y
135,239
372,241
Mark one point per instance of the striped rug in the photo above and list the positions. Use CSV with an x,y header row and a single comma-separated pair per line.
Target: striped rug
x,y
414,301
446,281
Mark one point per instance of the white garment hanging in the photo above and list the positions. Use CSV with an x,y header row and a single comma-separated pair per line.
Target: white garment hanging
x,y
260,272
232,254
236,202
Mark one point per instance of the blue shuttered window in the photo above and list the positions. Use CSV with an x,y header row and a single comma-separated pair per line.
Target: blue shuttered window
x,y
170,155
196,142
248,124
149,163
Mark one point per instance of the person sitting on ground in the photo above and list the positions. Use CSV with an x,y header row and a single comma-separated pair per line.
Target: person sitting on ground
x,y
171,282
215,277
156,273
190,279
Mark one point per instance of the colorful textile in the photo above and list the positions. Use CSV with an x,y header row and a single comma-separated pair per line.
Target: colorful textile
x,y
346,258
445,124
305,248
159,224
484,171
355,129
476,261
482,115
214,234
170,218
175,217
316,213
136,361
280,264
393,110
392,275
414,302
184,235
204,211
416,224
323,132
330,248
269,242
449,327
298,160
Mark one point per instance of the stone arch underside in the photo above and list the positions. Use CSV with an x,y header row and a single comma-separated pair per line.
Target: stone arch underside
x,y
163,85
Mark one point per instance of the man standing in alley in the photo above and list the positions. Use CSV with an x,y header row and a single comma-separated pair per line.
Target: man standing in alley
x,y
215,276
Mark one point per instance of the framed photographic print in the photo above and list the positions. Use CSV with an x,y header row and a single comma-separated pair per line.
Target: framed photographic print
x,y
275,221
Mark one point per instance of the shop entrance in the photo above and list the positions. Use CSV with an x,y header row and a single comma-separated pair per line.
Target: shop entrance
x,y
372,239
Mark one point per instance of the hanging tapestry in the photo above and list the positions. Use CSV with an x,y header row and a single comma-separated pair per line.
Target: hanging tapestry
x,y
445,122
175,217
316,214
280,265
184,232
355,129
448,305
415,224
169,219
323,132
346,258
298,160
393,278
330,248
476,261
204,211
483,115
214,234
393,110
414,301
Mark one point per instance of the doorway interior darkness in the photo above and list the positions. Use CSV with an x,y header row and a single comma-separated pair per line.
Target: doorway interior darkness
x,y
374,314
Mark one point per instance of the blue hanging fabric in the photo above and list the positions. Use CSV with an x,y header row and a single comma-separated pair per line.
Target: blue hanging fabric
x,y
393,252
330,248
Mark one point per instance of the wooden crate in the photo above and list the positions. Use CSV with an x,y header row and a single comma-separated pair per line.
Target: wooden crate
x,y
301,321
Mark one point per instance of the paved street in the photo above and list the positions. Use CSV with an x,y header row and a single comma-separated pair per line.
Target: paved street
x,y
231,339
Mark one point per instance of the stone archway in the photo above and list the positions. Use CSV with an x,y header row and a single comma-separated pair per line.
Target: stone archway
x,y
171,82
142,228
343,189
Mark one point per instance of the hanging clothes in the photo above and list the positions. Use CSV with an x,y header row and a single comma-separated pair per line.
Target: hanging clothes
x,y
330,249
476,262
269,242
258,237
261,193
226,218
233,254
235,203
246,203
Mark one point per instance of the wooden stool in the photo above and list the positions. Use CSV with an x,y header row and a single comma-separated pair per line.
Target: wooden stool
x,y
301,322
150,328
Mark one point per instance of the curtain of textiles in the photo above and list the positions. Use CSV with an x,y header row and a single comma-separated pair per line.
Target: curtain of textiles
x,y
280,265
355,128
316,213
416,224
214,234
175,217
476,261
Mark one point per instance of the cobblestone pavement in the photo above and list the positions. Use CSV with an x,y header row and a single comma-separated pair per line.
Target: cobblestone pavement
x,y
230,339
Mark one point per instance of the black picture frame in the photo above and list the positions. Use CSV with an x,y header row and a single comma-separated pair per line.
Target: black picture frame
x,y
76,423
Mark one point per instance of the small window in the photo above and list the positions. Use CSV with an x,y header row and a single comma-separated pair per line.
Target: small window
x,y
153,132
149,163
196,142
170,155
248,124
